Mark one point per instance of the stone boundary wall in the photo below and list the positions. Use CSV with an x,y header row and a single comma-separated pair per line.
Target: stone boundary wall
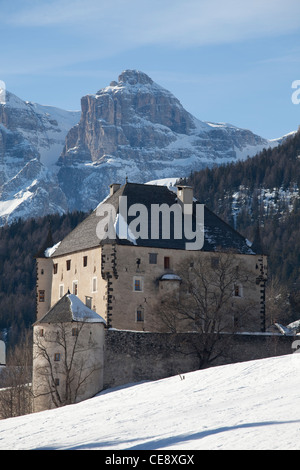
x,y
131,357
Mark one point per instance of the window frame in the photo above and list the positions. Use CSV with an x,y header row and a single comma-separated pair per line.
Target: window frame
x,y
75,287
88,301
94,284
138,279
238,291
167,262
152,258
61,290
42,295
140,312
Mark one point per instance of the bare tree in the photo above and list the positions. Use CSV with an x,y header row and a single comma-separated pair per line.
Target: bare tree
x,y
210,301
15,380
278,306
62,362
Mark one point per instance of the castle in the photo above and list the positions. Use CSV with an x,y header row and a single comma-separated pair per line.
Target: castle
x,y
120,264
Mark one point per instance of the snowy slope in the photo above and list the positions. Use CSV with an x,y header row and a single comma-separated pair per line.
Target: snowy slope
x,y
250,405
32,137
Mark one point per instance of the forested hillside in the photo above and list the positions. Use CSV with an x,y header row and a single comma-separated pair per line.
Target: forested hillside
x,y
264,191
19,243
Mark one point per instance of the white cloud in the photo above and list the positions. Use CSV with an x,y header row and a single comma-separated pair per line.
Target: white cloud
x,y
177,22
92,30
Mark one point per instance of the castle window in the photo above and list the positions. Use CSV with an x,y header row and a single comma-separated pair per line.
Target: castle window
x,y
57,357
152,258
68,264
74,331
85,261
88,301
237,290
61,291
75,287
41,332
236,321
56,382
94,284
167,262
55,268
42,271
138,284
41,296
140,314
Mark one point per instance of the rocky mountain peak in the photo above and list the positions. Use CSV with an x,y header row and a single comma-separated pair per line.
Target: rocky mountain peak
x,y
133,77
137,128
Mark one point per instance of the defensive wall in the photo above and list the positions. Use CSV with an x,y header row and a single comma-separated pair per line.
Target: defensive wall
x,y
138,356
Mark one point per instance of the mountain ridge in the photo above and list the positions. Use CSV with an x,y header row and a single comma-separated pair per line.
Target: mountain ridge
x,y
132,128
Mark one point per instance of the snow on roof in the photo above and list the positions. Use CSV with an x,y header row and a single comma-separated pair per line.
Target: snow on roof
x,y
122,229
80,312
49,251
169,277
68,309
283,329
294,325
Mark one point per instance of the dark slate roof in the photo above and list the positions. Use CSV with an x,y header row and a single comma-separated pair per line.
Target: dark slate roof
x,y
70,309
219,236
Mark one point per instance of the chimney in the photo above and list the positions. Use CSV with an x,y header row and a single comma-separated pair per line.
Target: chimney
x,y
2,354
185,196
113,188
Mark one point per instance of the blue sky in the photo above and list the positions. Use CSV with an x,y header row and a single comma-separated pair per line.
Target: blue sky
x,y
226,61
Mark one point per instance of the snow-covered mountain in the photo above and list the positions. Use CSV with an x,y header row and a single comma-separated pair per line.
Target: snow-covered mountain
x,y
136,128
53,160
32,137
246,406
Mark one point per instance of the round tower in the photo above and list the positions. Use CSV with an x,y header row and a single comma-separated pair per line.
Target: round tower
x,y
44,268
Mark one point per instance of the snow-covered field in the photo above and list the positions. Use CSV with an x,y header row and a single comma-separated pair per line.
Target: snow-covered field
x,y
251,405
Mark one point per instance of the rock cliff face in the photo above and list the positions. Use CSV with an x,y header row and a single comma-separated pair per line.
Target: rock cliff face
x,y
126,118
138,129
31,139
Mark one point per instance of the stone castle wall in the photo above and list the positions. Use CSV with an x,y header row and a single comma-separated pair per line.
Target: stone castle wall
x,y
137,356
